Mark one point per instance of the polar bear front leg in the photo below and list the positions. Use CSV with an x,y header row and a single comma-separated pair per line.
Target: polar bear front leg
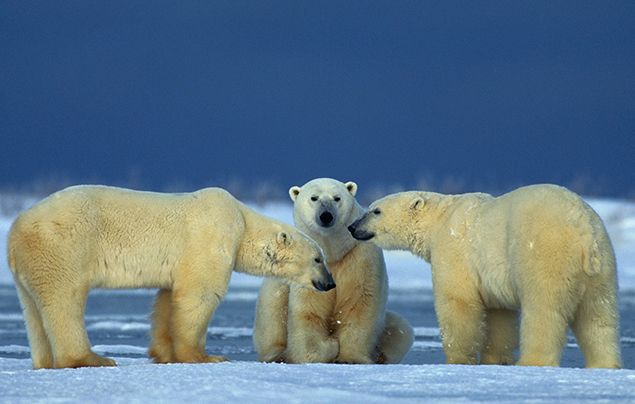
x,y
461,316
501,339
191,312
270,323
197,291
359,328
161,345
309,338
461,323
309,342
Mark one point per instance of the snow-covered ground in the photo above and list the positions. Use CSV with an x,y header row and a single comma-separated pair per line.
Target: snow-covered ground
x,y
137,380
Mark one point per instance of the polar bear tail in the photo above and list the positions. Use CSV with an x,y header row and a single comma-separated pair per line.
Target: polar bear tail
x,y
592,261
594,237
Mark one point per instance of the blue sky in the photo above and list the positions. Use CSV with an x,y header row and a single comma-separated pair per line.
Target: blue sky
x,y
494,94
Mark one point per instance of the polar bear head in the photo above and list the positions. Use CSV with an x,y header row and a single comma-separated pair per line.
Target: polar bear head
x,y
401,221
295,257
324,205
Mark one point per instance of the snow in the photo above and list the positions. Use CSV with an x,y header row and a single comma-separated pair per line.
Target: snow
x,y
137,380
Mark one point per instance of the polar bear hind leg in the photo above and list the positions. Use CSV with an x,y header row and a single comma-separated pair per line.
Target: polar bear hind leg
x,y
57,281
596,323
596,330
395,340
38,341
62,313
270,324
552,285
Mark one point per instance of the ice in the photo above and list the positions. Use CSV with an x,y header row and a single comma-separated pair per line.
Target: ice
x,y
119,349
136,380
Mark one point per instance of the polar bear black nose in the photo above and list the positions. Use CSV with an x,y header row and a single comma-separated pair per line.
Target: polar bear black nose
x,y
326,284
326,218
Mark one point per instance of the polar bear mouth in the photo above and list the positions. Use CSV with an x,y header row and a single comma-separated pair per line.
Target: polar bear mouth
x,y
362,235
326,219
359,234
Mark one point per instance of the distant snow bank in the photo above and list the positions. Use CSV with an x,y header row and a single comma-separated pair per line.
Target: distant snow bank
x,y
135,380
409,272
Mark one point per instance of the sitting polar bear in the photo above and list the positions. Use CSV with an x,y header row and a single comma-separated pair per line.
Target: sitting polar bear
x,y
539,249
86,237
348,325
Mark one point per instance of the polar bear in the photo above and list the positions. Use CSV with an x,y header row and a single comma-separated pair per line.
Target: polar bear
x,y
540,250
347,325
86,237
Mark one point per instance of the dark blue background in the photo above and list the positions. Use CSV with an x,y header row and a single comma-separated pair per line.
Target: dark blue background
x,y
466,95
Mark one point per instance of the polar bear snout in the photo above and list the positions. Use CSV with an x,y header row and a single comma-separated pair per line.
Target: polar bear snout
x,y
358,232
325,284
326,219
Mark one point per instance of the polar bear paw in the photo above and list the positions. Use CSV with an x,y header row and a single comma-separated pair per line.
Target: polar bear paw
x,y
215,359
90,360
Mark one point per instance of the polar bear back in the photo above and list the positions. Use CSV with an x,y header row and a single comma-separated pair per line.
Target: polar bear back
x,y
511,233
537,214
121,233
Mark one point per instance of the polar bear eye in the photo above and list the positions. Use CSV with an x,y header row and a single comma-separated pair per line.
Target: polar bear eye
x,y
318,260
377,211
337,199
314,198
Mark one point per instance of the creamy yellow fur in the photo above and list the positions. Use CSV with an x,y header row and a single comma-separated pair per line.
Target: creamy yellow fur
x,y
88,237
348,324
539,249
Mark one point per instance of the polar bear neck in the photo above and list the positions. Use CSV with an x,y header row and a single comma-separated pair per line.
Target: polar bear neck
x,y
451,215
257,228
425,229
419,245
336,242
335,245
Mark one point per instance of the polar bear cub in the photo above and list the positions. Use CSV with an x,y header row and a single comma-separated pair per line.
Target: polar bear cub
x,y
347,325
539,249
88,237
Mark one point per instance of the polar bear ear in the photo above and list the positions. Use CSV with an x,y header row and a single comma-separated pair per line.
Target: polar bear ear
x,y
352,187
283,238
417,203
294,191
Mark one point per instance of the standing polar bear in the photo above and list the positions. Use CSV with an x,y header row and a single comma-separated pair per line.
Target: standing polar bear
x,y
539,249
187,244
347,325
